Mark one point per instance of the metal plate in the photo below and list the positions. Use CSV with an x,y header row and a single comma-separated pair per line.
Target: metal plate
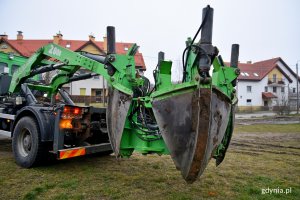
x,y
117,110
192,125
228,135
219,119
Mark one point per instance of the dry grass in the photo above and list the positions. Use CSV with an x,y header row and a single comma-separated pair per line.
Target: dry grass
x,y
274,128
254,161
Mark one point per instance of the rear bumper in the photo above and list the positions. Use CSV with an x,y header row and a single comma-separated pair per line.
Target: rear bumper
x,y
81,151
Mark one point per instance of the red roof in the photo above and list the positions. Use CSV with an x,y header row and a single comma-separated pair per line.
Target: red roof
x,y
268,95
258,70
28,47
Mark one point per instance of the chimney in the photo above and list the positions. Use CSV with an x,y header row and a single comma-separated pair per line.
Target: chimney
x,y
92,37
20,35
4,36
57,38
105,44
249,62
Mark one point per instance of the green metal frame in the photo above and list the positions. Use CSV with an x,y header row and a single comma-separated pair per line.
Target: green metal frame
x,y
11,60
125,80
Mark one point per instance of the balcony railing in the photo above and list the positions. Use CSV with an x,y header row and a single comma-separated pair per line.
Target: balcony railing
x,y
276,81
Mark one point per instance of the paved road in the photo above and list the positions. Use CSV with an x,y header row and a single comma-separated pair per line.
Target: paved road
x,y
256,114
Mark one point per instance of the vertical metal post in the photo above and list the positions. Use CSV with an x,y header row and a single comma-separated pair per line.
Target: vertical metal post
x,y
297,88
161,57
111,48
234,55
206,33
59,135
111,40
103,91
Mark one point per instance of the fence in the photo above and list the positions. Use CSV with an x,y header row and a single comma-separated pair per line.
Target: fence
x,y
87,100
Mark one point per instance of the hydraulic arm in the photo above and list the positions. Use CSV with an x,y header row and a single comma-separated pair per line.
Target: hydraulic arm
x,y
192,120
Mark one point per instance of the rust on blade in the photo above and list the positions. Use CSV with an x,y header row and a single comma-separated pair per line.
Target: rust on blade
x,y
212,121
201,116
193,125
116,113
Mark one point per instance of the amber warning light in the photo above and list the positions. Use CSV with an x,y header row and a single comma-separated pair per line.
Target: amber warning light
x,y
70,113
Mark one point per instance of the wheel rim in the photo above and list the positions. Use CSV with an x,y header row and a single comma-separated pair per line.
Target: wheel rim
x,y
24,142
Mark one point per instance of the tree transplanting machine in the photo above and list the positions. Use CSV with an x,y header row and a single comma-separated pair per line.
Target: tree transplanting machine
x,y
192,120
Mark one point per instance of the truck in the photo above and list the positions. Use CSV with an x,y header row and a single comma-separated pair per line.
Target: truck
x,y
192,121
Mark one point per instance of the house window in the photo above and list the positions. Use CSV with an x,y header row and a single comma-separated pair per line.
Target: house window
x,y
96,92
274,89
294,90
82,91
266,89
249,101
3,67
249,89
274,78
3,46
282,89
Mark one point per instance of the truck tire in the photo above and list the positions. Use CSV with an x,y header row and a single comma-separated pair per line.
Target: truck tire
x,y
27,147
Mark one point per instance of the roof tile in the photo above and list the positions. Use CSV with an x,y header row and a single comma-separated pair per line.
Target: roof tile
x,y
258,70
268,95
28,47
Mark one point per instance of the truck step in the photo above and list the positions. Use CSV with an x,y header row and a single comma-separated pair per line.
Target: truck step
x,y
81,151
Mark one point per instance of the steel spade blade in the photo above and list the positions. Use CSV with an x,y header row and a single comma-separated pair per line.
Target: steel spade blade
x,y
191,124
117,110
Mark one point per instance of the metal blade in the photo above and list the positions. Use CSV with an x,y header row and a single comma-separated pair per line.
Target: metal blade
x,y
192,126
227,136
221,108
116,113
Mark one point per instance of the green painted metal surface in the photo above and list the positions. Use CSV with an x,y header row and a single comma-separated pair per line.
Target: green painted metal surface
x,y
14,62
201,106
124,80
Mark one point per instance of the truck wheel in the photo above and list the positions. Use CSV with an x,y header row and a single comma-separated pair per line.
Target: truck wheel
x,y
26,144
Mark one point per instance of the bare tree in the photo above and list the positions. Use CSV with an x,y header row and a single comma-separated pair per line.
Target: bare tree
x,y
282,105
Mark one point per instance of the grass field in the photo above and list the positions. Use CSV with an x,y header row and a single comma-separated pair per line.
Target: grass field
x,y
260,157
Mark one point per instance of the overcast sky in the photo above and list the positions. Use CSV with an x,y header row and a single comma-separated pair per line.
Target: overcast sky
x,y
263,28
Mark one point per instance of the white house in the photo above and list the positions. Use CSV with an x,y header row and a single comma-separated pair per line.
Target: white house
x,y
265,84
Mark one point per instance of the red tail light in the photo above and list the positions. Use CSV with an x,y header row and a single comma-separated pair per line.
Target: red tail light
x,y
72,112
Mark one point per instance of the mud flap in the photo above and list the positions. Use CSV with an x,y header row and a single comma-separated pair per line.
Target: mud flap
x,y
116,113
192,125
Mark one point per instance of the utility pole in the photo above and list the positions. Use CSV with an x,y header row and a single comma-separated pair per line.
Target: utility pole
x,y
297,88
